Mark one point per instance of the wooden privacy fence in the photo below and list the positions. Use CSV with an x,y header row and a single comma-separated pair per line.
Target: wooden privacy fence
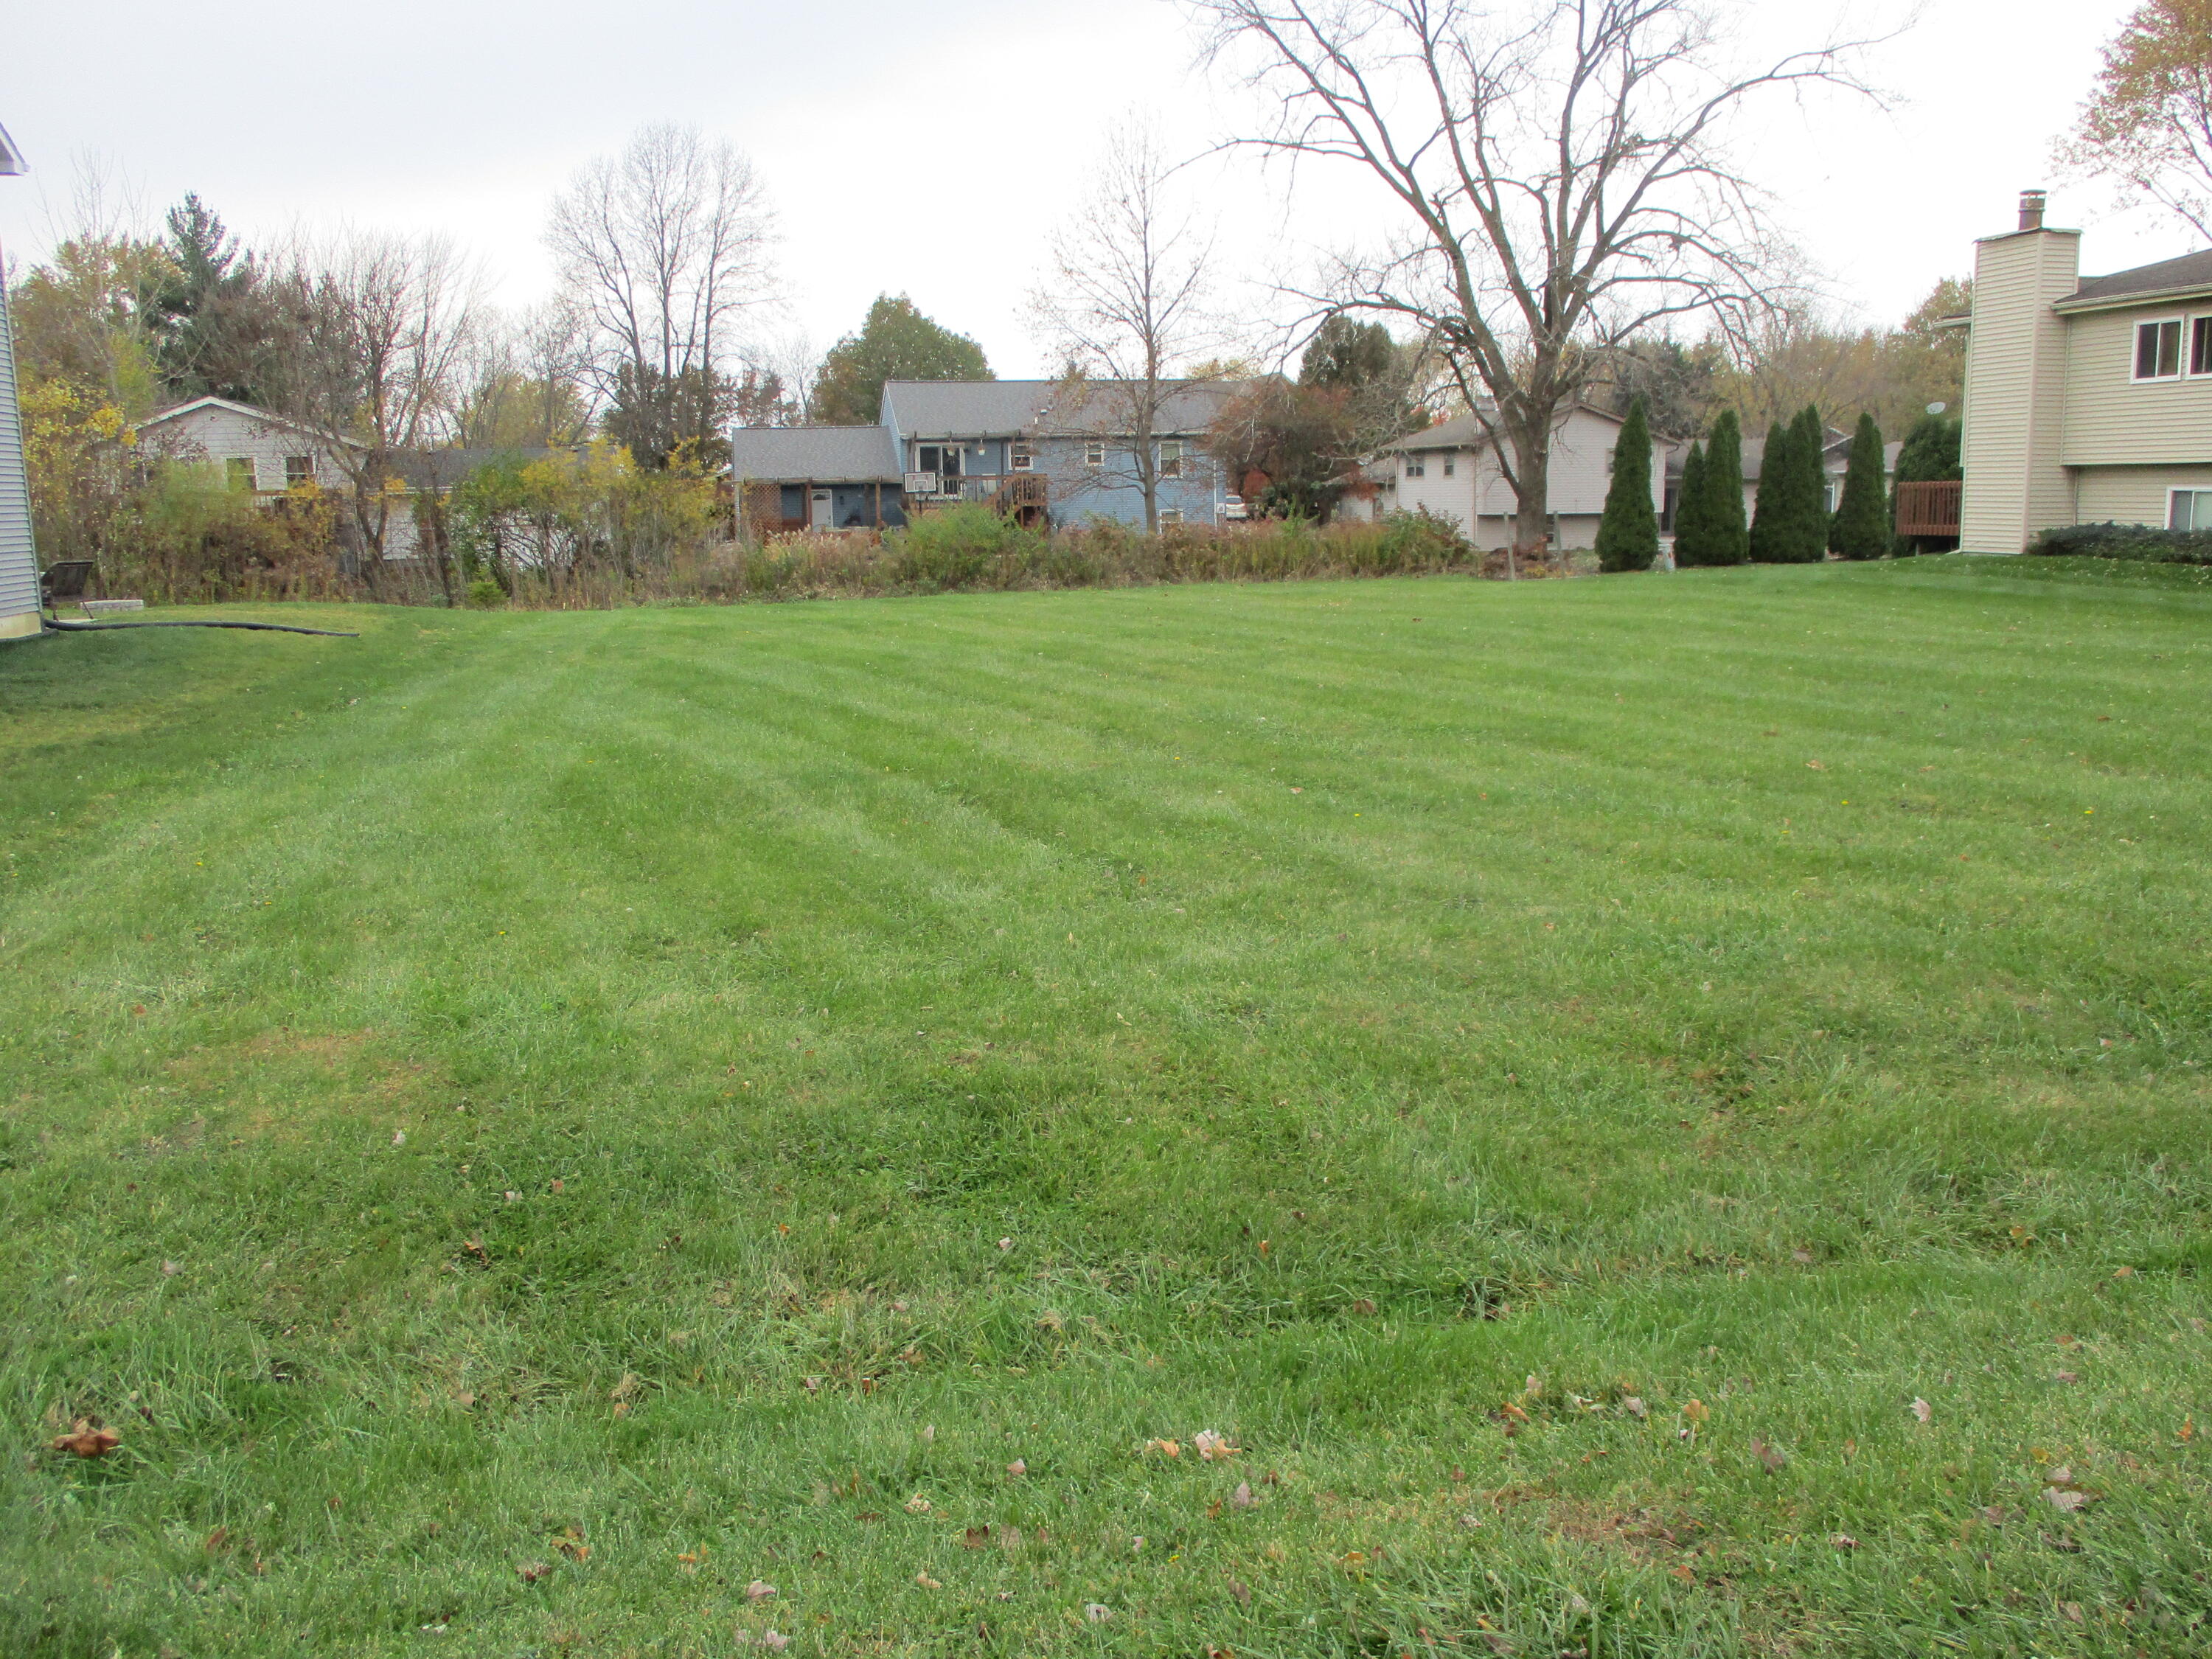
x,y
1930,508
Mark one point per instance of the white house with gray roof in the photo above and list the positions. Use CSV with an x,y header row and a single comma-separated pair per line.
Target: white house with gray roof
x,y
2088,399
1059,450
1451,469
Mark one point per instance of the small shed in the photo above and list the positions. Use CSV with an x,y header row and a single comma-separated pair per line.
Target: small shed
x,y
19,566
817,478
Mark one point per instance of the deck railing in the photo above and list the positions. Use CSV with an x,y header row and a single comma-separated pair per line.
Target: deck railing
x,y
1928,508
1004,490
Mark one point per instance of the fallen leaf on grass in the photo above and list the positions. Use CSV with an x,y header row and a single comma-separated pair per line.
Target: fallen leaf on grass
x,y
917,1504
1018,1468
975,1537
2065,1377
1362,1307
1922,1410
774,1643
625,1388
1815,766
1697,1411
1242,1498
1843,1540
2065,1502
927,1582
1211,1446
1242,1591
1165,1447
571,1544
1773,1457
1636,1408
88,1439
530,1572
759,1590
1097,1612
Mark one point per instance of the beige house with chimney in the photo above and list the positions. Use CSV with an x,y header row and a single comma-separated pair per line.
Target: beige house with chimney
x,y
2087,399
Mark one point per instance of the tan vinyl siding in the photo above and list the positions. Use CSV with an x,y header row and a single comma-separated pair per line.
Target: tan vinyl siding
x,y
19,571
2133,495
2015,385
2113,420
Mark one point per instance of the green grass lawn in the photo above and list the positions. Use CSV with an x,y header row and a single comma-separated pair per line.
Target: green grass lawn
x,y
528,1125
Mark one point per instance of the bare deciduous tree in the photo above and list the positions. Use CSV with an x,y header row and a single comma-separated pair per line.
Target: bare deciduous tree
x,y
381,326
1556,175
526,383
661,247
1124,303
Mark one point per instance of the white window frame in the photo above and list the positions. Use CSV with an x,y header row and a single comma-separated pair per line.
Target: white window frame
x,y
1094,451
2200,323
1020,457
239,473
1171,515
1171,462
2180,327
1416,467
303,473
2174,494
1451,466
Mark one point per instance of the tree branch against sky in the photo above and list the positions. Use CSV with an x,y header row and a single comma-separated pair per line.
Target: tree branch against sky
x,y
663,247
1558,181
2147,125
1124,303
382,329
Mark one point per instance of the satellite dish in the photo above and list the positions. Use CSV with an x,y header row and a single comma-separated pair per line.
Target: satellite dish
x,y
1937,408
11,159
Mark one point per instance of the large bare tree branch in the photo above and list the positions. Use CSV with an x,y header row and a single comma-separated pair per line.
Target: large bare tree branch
x,y
1559,178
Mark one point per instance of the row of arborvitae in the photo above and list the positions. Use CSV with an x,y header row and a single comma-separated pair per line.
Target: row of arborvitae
x,y
1790,521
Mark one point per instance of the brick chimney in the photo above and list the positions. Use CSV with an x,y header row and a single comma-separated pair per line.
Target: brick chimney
x,y
2031,210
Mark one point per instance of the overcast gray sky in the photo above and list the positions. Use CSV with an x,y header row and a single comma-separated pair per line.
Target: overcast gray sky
x,y
927,149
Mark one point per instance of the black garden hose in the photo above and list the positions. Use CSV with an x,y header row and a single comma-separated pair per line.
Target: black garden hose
x,y
261,628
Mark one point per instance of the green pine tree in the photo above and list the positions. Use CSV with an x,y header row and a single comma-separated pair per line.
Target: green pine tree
x,y
1768,533
1628,534
1729,537
1808,510
1861,528
1690,510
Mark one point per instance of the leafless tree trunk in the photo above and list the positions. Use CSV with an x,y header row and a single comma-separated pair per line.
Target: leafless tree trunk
x,y
1124,304
661,248
1557,176
382,326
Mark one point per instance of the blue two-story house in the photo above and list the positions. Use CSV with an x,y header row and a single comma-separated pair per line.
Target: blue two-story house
x,y
1042,451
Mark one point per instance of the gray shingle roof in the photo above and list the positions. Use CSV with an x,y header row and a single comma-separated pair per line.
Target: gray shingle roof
x,y
814,455
930,409
2190,270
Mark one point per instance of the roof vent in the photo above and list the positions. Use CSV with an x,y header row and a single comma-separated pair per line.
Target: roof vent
x,y
2031,210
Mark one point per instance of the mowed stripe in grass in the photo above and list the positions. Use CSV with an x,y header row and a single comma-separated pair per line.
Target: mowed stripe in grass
x,y
682,1085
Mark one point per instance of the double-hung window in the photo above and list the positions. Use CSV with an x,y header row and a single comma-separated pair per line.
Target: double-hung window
x,y
1094,452
237,472
1415,467
1451,466
1020,457
2200,346
2189,509
299,470
1171,460
2158,349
